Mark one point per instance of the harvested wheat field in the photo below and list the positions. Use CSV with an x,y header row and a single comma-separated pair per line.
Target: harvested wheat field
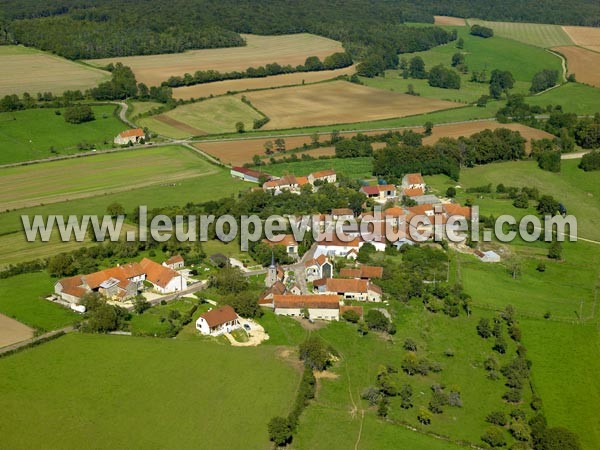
x,y
585,64
260,50
12,331
588,37
336,103
451,21
29,70
240,151
288,79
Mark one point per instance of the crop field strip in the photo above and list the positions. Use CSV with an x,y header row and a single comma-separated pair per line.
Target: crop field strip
x,y
588,37
540,35
29,70
584,63
260,50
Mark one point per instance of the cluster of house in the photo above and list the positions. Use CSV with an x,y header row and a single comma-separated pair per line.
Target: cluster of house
x,y
328,294
289,183
125,281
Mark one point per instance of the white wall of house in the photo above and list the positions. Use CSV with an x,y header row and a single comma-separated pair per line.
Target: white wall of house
x,y
336,250
202,327
313,313
178,283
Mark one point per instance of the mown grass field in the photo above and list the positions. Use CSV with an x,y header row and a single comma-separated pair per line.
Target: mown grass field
x,y
564,372
352,167
37,184
260,50
217,115
336,102
136,393
30,134
338,409
574,97
538,34
22,298
26,69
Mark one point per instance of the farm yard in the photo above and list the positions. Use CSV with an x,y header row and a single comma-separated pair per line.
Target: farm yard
x,y
260,50
26,69
204,373
540,35
216,115
288,79
33,133
25,186
239,152
587,37
336,102
583,63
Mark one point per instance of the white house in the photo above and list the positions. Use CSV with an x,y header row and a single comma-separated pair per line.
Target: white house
x,y
335,247
328,176
380,193
318,268
164,280
175,262
246,174
286,240
218,321
323,307
133,136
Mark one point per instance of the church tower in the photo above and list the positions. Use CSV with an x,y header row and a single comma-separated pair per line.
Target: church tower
x,y
271,278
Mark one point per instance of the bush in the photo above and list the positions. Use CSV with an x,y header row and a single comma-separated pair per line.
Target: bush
x,y
376,320
280,431
484,32
559,439
315,353
424,416
445,78
494,437
497,418
410,345
351,316
590,161
78,114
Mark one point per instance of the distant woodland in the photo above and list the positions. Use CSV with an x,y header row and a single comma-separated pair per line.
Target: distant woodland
x,y
105,28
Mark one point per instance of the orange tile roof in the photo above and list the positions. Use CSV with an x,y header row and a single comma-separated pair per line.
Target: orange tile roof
x,y
413,192
157,273
175,259
336,242
452,209
216,317
395,211
346,285
73,286
348,272
301,181
288,239
306,301
323,173
342,212
135,132
371,272
278,288
420,210
124,272
415,178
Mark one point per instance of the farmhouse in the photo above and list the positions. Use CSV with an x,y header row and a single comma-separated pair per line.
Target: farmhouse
x,y
248,174
218,321
175,262
121,282
325,176
334,247
361,290
380,193
413,181
133,136
410,193
324,307
287,183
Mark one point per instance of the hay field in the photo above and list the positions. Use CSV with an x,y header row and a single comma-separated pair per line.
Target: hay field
x,y
241,151
337,102
540,35
91,176
286,49
29,70
588,37
288,79
12,331
450,21
585,64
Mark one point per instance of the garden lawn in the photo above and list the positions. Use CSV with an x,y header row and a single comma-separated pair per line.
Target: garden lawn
x,y
565,374
139,393
30,134
22,298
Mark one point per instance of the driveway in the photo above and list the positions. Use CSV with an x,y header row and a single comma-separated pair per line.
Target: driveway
x,y
256,335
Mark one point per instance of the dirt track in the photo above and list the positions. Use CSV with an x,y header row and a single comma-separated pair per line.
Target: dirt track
x,y
12,331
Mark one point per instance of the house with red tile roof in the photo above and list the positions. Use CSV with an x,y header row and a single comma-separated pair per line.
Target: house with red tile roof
x,y
218,321
362,272
380,193
413,181
175,262
349,289
322,307
286,240
245,174
133,136
318,268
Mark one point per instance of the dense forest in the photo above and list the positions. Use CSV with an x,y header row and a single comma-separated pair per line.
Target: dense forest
x,y
106,28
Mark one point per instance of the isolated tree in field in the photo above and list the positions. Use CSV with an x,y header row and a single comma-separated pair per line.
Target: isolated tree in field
x,y
416,68
555,250
443,77
280,431
239,127
410,90
268,146
428,128
315,353
522,201
115,209
280,145
78,114
501,81
547,206
458,59
543,80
